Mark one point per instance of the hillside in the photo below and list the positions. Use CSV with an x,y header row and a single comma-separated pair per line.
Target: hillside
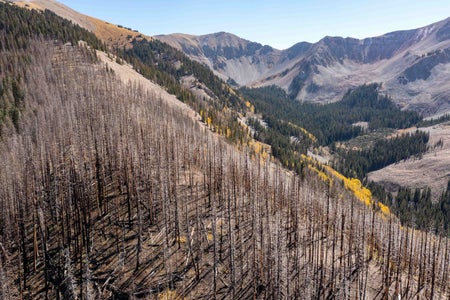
x,y
432,170
115,35
145,203
232,57
113,189
228,55
412,65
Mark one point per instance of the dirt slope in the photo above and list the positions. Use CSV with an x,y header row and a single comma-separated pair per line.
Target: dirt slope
x,y
127,74
113,35
432,170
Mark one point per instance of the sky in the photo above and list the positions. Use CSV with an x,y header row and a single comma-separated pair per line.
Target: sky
x,y
280,24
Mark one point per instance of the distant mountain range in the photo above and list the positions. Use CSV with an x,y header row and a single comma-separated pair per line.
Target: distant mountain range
x,y
413,65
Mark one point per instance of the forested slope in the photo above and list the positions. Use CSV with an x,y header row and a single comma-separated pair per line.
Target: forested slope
x,y
109,192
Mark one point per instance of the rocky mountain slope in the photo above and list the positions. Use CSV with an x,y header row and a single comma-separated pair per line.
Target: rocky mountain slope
x,y
413,65
232,57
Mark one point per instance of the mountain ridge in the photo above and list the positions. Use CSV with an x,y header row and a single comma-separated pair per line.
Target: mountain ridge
x,y
412,65
107,32
222,49
405,62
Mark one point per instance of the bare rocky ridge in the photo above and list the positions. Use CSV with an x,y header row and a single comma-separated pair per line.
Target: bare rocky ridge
x,y
227,55
232,57
412,65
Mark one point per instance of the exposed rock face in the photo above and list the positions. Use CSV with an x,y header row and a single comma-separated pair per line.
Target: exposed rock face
x,y
228,55
412,65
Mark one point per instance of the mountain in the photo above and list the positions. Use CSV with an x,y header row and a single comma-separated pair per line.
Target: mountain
x,y
412,65
234,58
112,188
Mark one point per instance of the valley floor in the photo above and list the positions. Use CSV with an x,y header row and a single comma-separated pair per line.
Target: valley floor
x,y
432,170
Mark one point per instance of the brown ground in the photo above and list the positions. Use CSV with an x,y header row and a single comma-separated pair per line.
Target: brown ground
x,y
432,170
112,34
126,73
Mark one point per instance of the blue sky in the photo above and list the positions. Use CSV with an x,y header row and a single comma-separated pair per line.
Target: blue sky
x,y
279,24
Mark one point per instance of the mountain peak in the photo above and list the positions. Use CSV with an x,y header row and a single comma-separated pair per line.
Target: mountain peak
x,y
405,61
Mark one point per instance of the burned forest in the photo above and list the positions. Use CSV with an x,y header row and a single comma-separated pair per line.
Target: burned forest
x,y
109,191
